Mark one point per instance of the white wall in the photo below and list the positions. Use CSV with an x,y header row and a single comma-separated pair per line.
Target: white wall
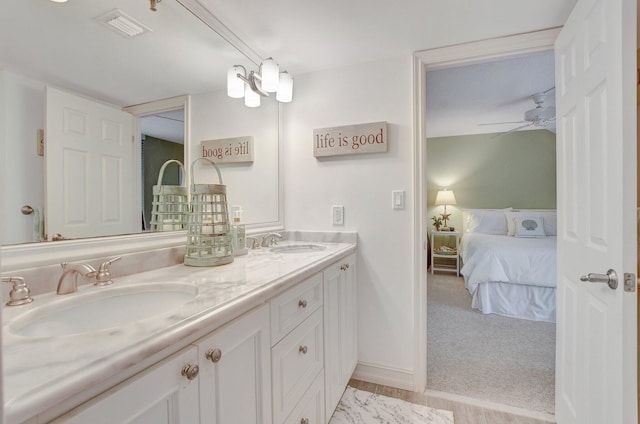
x,y
254,186
379,91
22,169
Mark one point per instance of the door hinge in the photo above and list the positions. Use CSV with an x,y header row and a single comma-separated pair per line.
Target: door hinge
x,y
630,282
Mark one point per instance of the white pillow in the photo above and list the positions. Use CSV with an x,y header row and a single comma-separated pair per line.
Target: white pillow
x,y
485,221
529,226
550,219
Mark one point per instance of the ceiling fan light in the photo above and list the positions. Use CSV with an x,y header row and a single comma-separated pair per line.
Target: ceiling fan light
x,y
269,72
285,88
235,86
251,98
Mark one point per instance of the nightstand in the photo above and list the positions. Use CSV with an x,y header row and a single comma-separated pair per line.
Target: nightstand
x,y
445,250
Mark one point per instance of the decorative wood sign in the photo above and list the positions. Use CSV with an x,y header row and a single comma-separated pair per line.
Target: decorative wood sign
x,y
228,150
350,139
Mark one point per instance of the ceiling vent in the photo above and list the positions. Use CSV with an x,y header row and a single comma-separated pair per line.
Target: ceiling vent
x,y
116,20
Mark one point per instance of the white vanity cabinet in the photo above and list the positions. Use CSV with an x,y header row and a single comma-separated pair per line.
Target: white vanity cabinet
x,y
235,374
297,353
223,378
160,394
340,341
287,361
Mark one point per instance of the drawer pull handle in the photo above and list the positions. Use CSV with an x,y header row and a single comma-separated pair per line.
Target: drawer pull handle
x,y
302,304
304,421
303,350
190,371
214,355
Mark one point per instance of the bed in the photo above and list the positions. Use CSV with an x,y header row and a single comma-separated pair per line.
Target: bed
x,y
509,262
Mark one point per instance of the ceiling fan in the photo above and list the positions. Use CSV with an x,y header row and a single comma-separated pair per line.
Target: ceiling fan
x,y
541,116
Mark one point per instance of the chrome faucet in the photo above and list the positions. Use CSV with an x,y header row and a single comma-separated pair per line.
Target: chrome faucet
x,y
270,239
68,282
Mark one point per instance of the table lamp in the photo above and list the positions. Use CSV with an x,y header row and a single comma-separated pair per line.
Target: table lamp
x,y
445,197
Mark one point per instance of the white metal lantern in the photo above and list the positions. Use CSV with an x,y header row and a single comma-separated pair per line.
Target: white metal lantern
x,y
170,205
208,231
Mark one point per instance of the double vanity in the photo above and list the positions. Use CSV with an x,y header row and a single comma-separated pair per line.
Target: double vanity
x,y
269,338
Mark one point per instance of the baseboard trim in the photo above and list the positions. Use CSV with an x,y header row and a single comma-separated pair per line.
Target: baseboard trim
x,y
386,376
538,415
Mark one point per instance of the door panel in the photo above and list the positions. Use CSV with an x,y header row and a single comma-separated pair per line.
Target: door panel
x,y
89,175
596,146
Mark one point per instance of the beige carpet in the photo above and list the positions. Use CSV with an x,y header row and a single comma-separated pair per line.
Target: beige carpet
x,y
489,357
362,407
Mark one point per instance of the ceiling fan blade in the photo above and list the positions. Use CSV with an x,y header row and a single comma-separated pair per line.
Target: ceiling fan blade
x,y
518,128
500,123
513,130
549,90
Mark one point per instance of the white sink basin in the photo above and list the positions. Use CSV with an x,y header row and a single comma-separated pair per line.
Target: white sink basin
x,y
100,309
297,248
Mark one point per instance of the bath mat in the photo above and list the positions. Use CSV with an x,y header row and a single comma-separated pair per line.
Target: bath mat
x,y
361,407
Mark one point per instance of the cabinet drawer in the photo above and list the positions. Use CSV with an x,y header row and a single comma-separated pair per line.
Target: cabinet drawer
x,y
310,410
294,306
295,363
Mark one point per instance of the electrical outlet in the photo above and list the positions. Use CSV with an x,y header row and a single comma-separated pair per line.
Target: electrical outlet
x,y
337,212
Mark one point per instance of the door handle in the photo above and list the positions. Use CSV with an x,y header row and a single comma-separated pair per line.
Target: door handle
x,y
611,278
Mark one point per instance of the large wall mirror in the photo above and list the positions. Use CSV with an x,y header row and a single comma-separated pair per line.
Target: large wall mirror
x,y
78,48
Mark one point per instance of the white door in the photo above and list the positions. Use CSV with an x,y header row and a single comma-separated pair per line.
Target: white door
x,y
596,145
89,178
235,378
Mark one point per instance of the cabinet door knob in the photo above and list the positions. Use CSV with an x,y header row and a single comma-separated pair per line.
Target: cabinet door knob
x,y
304,421
214,355
303,350
302,304
190,371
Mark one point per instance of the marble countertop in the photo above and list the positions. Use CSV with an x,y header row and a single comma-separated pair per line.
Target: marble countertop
x,y
40,373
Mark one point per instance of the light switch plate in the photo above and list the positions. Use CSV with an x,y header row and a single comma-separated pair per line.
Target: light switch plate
x,y
397,199
337,213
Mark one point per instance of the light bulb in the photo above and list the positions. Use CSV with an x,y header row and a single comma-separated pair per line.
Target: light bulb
x,y
285,88
269,72
235,86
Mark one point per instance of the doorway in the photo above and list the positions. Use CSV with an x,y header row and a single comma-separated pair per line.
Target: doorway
x,y
166,123
484,145
438,59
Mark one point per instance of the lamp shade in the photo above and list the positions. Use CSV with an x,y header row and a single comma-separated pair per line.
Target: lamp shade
x,y
445,197
285,88
235,86
251,98
270,74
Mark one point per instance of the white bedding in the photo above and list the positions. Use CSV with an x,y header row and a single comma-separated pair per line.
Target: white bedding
x,y
528,265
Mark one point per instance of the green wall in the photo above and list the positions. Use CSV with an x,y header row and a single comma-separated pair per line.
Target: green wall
x,y
485,171
156,153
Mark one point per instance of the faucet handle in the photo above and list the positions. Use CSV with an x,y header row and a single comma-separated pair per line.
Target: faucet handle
x,y
20,293
103,277
255,241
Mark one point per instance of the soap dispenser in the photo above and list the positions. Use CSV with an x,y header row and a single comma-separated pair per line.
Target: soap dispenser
x,y
238,232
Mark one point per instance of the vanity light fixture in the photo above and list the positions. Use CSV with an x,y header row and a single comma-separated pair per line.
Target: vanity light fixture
x,y
254,85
